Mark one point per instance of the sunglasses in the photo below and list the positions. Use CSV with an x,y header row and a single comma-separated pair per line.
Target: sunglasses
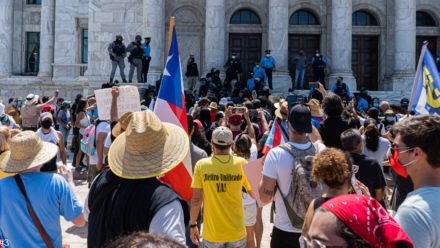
x,y
404,149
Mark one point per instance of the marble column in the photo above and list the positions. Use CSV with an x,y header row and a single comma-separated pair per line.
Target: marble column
x,y
6,35
340,43
404,45
154,27
214,34
278,42
47,38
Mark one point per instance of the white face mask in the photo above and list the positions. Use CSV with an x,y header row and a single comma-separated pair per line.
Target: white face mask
x,y
233,57
317,54
267,55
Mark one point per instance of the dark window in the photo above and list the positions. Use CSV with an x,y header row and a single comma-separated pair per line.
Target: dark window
x,y
363,18
33,1
85,46
303,17
245,16
424,19
32,52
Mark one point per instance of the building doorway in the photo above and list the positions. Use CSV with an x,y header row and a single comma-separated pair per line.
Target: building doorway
x,y
247,47
432,46
364,63
310,43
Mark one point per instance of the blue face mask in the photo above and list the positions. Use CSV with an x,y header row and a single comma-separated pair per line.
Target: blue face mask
x,y
376,105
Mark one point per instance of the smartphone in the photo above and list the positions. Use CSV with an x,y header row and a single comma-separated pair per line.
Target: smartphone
x,y
313,85
238,110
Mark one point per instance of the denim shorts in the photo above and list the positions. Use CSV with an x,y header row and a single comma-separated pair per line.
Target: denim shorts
x,y
234,244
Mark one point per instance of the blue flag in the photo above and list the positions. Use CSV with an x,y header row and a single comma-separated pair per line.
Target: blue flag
x,y
425,97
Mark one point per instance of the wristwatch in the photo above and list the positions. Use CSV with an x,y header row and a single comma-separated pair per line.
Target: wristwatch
x,y
193,225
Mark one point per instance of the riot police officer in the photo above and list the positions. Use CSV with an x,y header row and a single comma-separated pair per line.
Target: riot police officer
x,y
117,53
136,51
319,63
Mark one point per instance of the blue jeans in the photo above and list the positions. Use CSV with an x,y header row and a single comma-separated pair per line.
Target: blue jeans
x,y
65,133
235,244
299,74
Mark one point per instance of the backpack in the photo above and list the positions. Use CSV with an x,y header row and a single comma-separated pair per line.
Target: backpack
x,y
88,140
303,188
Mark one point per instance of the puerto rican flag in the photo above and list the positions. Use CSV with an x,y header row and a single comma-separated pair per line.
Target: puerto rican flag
x,y
276,136
170,107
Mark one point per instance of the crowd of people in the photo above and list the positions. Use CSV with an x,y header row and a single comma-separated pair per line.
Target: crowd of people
x,y
347,163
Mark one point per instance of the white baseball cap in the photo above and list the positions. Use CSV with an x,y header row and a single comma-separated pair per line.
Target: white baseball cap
x,y
222,136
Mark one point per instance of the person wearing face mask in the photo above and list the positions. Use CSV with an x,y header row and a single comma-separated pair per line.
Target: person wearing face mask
x,y
260,72
389,119
416,150
233,70
117,53
319,63
47,133
146,58
370,172
136,51
301,66
268,63
341,89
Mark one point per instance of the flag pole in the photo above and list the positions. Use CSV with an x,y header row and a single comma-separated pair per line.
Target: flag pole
x,y
170,32
416,79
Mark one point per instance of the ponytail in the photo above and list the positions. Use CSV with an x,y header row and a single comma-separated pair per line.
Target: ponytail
x,y
372,137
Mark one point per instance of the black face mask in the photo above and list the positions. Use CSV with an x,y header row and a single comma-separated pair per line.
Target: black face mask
x,y
46,124
119,41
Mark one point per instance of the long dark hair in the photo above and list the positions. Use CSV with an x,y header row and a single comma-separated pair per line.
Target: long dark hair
x,y
371,134
82,104
243,145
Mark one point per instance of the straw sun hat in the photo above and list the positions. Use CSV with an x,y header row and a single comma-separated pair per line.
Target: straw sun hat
x,y
282,109
27,151
148,148
122,124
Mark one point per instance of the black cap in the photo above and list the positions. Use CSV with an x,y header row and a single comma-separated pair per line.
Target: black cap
x,y
138,37
404,101
300,119
147,38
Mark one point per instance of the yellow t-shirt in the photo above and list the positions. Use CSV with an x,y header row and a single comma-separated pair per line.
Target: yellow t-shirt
x,y
221,178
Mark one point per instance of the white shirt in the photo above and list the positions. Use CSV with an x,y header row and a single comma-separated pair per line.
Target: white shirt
x,y
108,140
246,198
381,153
103,127
279,166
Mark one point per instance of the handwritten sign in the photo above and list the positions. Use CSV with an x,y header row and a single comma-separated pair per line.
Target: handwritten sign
x,y
128,101
254,174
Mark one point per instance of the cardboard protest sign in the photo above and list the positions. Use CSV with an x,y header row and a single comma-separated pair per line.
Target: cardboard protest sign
x,y
254,174
128,101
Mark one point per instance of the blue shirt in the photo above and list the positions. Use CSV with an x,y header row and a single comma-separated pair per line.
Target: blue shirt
x,y
362,105
347,90
260,73
50,197
267,62
419,217
250,84
147,50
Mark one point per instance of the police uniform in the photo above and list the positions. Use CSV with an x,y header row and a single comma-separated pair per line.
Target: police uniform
x,y
136,51
268,63
117,53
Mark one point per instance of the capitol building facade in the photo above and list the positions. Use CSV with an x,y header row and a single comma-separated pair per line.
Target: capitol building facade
x,y
48,44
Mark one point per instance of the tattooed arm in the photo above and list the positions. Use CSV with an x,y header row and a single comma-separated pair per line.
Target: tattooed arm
x,y
267,189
